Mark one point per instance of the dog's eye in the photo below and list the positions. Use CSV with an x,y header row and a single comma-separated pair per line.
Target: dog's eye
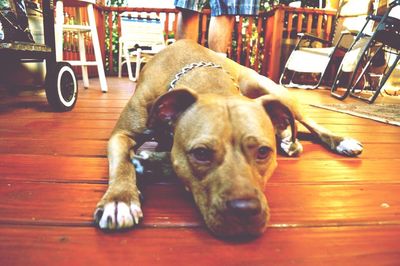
x,y
263,152
203,155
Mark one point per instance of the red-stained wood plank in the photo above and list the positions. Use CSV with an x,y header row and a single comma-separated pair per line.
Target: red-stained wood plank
x,y
21,111
56,146
59,133
61,124
95,169
325,209
104,134
27,245
171,206
98,148
41,124
26,115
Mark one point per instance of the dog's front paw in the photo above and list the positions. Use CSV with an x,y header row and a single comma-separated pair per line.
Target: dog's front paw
x,y
119,208
291,148
118,215
349,147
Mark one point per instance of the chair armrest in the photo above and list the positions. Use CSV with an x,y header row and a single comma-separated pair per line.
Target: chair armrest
x,y
375,18
344,33
310,39
349,32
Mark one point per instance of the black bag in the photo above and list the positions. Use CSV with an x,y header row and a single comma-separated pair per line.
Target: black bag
x,y
14,21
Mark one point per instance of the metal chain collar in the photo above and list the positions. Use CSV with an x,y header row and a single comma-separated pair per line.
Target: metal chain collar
x,y
192,66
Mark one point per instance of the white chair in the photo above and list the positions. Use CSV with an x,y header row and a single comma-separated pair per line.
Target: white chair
x,y
372,57
141,39
60,27
312,56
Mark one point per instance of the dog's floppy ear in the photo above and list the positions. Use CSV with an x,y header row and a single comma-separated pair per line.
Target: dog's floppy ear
x,y
280,114
168,107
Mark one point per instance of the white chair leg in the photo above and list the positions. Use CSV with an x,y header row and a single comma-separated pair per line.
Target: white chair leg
x,y
120,59
82,56
58,29
97,51
128,63
138,64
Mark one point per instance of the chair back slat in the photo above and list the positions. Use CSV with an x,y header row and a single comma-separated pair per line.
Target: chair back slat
x,y
142,31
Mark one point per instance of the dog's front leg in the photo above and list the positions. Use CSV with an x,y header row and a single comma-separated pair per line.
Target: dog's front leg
x,y
254,85
120,206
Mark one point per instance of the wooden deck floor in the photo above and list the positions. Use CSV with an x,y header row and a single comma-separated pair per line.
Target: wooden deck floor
x,y
326,209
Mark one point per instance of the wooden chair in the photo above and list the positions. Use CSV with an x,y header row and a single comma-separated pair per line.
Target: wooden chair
x,y
81,29
312,55
141,38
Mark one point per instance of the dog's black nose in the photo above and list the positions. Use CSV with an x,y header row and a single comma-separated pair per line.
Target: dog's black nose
x,y
244,207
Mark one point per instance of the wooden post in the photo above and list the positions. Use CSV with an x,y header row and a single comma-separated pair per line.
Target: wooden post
x,y
110,44
166,26
290,25
299,22
276,44
328,28
249,32
319,25
267,44
203,29
175,26
101,32
258,44
239,40
309,22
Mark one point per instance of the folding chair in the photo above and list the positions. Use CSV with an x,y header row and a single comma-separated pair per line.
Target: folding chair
x,y
371,58
312,55
141,38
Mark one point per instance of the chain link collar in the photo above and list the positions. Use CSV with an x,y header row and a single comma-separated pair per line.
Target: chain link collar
x,y
192,66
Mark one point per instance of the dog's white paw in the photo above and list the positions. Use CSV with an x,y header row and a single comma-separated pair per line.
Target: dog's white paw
x,y
291,148
118,215
349,147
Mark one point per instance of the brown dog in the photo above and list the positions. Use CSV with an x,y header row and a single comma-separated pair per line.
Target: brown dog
x,y
225,120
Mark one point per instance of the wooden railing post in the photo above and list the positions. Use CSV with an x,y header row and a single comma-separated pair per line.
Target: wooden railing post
x,y
101,31
275,43
265,54
110,43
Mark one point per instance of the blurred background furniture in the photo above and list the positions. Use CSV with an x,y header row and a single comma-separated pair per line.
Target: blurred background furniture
x,y
81,27
18,46
141,38
312,56
371,58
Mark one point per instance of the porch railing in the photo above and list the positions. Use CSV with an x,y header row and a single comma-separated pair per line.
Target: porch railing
x,y
262,42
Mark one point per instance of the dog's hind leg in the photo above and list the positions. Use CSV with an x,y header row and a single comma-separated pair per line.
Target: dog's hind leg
x,y
254,85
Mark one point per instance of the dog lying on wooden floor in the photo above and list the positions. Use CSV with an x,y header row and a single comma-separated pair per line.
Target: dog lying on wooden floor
x,y
224,122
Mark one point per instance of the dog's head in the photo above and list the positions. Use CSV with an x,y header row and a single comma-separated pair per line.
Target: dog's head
x,y
224,150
